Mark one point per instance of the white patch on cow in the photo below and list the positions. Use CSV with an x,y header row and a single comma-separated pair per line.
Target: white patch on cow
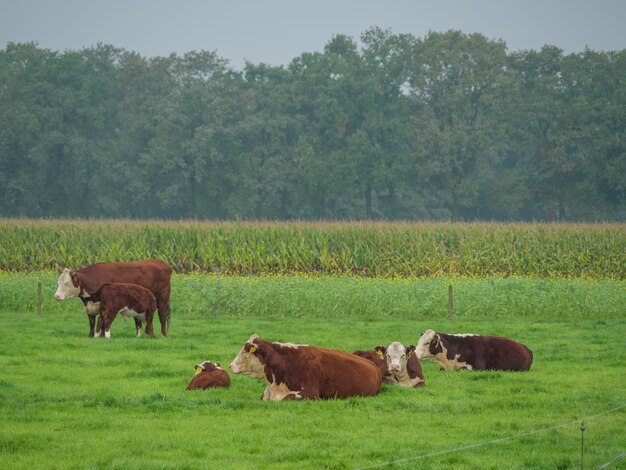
x,y
289,345
441,358
280,392
247,364
128,313
92,308
138,333
463,335
396,357
96,334
65,286
107,334
422,348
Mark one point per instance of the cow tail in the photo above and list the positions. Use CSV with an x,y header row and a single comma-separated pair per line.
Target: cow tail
x,y
167,321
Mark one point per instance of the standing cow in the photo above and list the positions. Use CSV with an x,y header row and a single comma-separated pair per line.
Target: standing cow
x,y
473,352
85,283
300,371
129,300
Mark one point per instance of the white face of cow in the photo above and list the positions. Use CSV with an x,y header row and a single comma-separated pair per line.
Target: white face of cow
x,y
246,362
65,287
396,357
423,345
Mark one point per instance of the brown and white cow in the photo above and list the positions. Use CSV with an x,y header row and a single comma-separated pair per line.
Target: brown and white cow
x,y
473,352
85,283
403,365
208,375
300,371
129,300
376,356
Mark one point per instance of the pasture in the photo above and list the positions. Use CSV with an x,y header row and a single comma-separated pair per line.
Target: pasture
x,y
67,401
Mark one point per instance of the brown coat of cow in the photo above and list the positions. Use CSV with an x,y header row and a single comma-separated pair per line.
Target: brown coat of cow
x,y
294,372
154,275
121,298
375,356
209,375
474,352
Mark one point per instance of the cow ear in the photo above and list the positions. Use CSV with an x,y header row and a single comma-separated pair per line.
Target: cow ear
x,y
410,350
252,349
380,350
74,279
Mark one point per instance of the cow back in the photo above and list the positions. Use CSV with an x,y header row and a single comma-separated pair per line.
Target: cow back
x,y
154,275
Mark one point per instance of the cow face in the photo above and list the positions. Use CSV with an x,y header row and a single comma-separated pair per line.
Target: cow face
x,y
396,357
207,366
67,286
429,345
246,362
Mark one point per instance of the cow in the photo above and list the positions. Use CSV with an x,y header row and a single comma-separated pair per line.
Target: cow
x,y
375,356
208,375
85,283
129,300
403,365
473,352
299,371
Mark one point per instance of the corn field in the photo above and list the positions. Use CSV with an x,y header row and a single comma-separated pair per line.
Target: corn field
x,y
339,248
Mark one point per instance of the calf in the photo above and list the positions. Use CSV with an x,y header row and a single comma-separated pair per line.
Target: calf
x,y
403,364
473,352
209,375
375,356
300,371
129,300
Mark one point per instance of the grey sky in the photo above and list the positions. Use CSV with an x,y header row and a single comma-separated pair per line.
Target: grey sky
x,y
276,31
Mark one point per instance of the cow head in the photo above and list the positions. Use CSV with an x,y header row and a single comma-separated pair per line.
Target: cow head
x,y
429,345
207,366
67,285
247,362
397,356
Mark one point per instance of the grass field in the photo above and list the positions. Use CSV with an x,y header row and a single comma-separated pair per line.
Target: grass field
x,y
67,401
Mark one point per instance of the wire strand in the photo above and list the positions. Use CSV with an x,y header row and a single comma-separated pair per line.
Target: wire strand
x,y
492,441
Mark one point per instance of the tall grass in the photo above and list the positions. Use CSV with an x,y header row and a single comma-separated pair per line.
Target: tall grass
x,y
366,249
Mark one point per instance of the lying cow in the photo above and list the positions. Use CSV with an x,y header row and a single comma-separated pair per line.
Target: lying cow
x,y
86,282
376,357
209,375
403,365
473,352
300,371
129,300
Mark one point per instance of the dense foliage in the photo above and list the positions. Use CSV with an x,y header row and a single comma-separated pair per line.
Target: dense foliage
x,y
375,249
446,127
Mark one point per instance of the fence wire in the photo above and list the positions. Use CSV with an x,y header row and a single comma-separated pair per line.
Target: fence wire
x,y
495,441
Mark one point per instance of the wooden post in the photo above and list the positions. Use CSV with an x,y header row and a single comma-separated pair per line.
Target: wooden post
x,y
39,298
450,302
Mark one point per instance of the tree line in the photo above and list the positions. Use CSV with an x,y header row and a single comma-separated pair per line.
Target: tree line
x,y
449,126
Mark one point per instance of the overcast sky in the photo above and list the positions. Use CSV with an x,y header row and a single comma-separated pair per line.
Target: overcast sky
x,y
276,31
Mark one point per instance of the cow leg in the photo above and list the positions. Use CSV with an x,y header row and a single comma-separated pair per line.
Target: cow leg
x,y
149,327
107,320
99,326
92,324
138,327
163,306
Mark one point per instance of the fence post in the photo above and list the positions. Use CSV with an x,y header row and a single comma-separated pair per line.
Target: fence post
x,y
450,302
39,298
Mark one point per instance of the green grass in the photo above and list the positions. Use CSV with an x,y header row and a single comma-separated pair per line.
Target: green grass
x,y
67,401
323,297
